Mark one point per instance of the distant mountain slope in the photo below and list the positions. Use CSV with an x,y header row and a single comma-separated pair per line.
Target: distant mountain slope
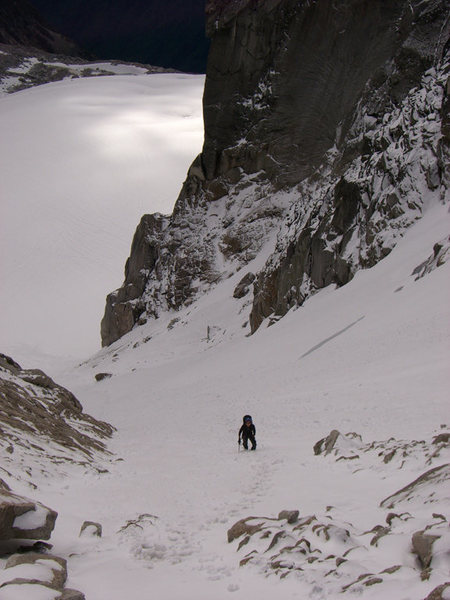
x,y
21,24
167,34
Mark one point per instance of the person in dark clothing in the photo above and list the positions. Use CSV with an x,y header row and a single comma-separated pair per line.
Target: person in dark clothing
x,y
247,432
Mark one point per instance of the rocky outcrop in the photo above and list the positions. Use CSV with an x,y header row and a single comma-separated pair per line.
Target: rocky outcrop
x,y
396,453
329,548
325,122
284,75
40,419
125,306
439,593
440,255
426,487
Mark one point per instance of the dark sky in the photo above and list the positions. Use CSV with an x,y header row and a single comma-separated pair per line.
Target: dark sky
x,y
167,33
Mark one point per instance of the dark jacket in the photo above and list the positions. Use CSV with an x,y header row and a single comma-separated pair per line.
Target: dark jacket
x,y
247,432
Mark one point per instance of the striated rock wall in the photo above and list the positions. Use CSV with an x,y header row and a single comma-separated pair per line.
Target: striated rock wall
x,y
325,122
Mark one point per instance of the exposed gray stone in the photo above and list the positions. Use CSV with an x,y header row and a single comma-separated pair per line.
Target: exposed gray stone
x,y
242,287
326,445
442,438
102,376
422,544
57,565
291,516
33,405
438,592
22,518
92,528
243,527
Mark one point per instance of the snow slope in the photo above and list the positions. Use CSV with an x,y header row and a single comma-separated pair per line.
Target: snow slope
x,y
371,357
81,161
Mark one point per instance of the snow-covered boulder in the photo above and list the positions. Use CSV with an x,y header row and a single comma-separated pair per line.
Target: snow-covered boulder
x,y
36,577
35,568
90,528
337,443
22,518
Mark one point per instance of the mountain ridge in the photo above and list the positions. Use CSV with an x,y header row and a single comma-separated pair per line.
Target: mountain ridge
x,y
264,170
22,25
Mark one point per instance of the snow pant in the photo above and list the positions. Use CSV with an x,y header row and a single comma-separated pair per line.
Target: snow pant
x,y
246,438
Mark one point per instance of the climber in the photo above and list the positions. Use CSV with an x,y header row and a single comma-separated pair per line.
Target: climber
x,y
247,431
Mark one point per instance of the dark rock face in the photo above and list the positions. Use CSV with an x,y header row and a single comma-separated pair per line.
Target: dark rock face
x,y
289,122
21,24
325,122
124,307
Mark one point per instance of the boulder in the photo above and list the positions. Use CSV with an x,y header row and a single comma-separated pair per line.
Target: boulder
x,y
422,544
243,286
326,445
33,567
35,575
91,528
22,518
101,376
291,516
442,438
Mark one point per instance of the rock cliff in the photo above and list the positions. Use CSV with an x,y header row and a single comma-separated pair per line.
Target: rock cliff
x,y
326,134
22,25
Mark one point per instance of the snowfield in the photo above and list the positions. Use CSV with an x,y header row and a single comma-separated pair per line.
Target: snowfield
x,y
82,160
370,358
